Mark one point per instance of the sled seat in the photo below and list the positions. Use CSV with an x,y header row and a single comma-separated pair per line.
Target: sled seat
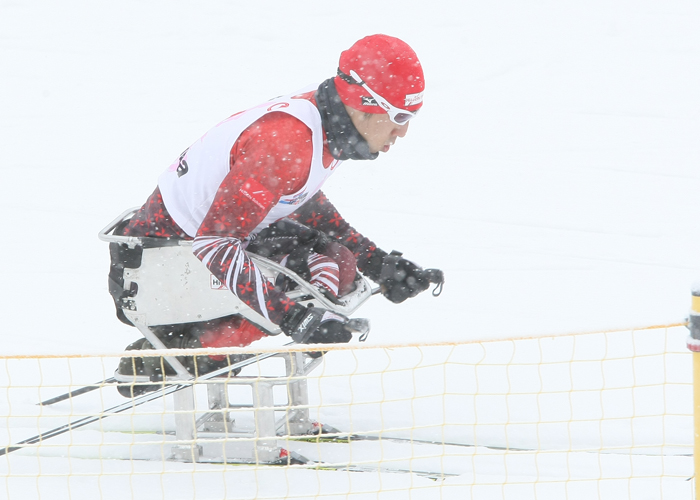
x,y
169,285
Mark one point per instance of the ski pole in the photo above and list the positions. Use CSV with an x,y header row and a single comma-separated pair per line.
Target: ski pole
x,y
78,392
145,398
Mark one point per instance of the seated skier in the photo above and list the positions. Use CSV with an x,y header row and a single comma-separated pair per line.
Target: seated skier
x,y
252,184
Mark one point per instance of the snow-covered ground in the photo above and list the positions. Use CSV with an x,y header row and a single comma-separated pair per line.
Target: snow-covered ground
x,y
552,174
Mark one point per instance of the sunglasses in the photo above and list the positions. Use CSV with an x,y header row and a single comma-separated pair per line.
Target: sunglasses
x,y
397,115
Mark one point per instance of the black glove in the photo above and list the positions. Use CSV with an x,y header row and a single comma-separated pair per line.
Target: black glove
x,y
289,237
400,278
314,325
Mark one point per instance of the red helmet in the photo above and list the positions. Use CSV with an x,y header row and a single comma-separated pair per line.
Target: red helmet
x,y
386,65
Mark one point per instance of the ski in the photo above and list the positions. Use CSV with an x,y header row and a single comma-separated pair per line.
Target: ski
x,y
78,392
346,438
329,434
137,401
299,462
336,436
434,475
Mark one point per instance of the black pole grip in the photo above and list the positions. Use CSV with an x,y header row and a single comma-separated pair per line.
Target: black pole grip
x,y
437,277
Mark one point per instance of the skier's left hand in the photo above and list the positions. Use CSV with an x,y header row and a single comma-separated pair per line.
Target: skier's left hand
x,y
315,325
400,278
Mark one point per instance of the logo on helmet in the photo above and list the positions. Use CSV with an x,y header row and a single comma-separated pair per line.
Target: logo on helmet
x,y
369,101
413,99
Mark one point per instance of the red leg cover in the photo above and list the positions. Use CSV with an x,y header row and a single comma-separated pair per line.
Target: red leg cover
x,y
347,266
233,332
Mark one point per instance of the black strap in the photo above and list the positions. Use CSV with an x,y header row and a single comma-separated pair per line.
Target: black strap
x,y
349,79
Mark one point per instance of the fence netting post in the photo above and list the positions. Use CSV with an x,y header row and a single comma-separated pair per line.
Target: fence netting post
x,y
693,344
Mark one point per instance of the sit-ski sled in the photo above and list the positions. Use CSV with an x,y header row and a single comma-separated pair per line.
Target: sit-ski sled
x,y
167,285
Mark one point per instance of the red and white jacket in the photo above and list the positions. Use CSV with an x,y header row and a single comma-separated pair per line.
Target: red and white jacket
x,y
252,169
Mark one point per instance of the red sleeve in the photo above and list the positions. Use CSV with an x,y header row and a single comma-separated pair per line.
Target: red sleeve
x,y
270,159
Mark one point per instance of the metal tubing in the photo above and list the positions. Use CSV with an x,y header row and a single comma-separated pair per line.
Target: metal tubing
x,y
185,430
297,392
266,449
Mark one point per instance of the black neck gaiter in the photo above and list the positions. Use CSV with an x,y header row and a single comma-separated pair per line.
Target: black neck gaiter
x,y
344,141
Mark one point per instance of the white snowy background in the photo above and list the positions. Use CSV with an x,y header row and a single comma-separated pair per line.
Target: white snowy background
x,y
552,173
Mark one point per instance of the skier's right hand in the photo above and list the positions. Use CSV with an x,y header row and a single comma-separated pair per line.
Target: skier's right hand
x,y
315,325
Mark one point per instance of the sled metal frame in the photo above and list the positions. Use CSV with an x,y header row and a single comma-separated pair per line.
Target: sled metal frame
x,y
214,437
